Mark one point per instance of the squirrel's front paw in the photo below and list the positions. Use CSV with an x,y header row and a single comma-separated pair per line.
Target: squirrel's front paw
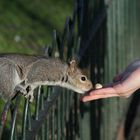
x,y
30,96
20,89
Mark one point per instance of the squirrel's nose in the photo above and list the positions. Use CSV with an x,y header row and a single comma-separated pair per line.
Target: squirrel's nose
x,y
90,86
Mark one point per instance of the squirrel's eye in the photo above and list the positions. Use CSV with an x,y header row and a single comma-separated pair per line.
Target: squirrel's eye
x,y
83,78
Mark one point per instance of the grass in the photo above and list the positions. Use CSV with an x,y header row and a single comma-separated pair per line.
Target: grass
x,y
26,26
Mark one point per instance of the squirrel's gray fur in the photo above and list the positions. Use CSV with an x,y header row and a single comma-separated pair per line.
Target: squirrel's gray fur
x,y
21,72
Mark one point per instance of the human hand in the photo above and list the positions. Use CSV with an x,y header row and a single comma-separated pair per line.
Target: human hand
x,y
123,85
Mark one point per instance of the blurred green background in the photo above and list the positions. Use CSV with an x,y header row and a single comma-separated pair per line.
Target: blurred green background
x,y
26,26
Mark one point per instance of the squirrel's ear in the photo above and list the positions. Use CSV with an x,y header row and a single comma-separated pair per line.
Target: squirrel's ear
x,y
72,65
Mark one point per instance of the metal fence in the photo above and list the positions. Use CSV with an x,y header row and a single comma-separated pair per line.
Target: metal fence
x,y
105,37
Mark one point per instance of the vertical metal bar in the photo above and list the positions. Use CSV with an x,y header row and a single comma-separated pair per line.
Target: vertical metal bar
x,y
66,28
14,116
37,103
24,121
49,118
4,116
58,120
37,106
62,115
52,123
42,108
47,128
15,134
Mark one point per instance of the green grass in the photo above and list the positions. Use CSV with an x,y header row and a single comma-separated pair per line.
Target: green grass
x,y
26,26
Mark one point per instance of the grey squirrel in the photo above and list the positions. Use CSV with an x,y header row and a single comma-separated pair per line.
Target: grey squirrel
x,y
24,73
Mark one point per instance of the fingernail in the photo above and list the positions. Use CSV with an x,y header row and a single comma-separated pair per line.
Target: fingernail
x,y
81,98
84,100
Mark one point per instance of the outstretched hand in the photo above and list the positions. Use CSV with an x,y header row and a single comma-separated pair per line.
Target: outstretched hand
x,y
123,85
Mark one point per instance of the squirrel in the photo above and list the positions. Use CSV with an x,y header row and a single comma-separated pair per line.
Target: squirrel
x,y
23,73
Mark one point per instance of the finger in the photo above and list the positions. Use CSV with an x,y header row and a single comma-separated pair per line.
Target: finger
x,y
100,93
97,96
106,90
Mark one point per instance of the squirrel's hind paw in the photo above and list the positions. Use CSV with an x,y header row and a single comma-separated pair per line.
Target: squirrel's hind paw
x,y
30,96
